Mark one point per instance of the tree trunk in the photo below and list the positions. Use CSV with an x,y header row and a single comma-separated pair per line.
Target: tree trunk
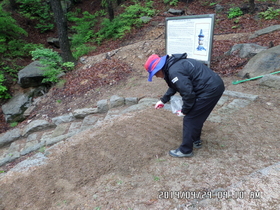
x,y
13,5
251,6
110,10
120,1
61,23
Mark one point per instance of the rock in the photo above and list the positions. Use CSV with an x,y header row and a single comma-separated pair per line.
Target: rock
x,y
74,128
150,101
222,100
102,106
176,11
219,8
235,94
37,125
136,107
59,130
16,106
143,104
145,19
234,105
31,147
89,121
28,111
9,136
267,30
246,50
53,41
31,76
271,81
263,63
81,113
40,91
63,119
36,160
131,101
111,114
9,158
116,101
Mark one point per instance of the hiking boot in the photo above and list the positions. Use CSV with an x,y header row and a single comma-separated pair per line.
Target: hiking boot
x,y
178,153
197,144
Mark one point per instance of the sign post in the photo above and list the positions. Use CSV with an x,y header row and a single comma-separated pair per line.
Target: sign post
x,y
192,35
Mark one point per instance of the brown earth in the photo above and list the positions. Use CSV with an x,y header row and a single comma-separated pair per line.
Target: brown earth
x,y
125,164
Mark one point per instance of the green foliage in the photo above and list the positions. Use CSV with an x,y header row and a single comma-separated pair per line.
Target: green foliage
x,y
8,28
3,88
83,27
17,48
234,12
42,149
68,66
82,49
12,70
11,46
10,32
171,2
37,10
13,124
84,32
124,22
156,178
52,63
270,13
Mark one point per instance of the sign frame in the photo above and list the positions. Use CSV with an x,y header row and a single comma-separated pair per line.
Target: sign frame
x,y
190,34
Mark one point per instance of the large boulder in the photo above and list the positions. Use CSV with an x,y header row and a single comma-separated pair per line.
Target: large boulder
x,y
13,110
246,50
271,81
263,63
31,76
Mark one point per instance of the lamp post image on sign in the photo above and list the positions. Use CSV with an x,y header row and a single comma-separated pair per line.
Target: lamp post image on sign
x,y
192,35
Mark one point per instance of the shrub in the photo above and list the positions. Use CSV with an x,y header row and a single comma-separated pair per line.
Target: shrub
x,y
171,2
38,10
3,88
124,22
9,33
234,12
83,29
52,64
270,13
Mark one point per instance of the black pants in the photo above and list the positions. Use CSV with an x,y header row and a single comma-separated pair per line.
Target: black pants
x,y
194,120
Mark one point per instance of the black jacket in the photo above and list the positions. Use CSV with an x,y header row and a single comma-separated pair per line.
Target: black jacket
x,y
192,79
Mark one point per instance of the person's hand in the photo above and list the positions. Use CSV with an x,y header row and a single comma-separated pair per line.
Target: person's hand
x,y
179,113
159,105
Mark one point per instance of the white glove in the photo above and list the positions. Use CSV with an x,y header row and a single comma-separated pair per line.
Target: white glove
x,y
179,113
159,105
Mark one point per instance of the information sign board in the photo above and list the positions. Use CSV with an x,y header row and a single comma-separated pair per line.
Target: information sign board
x,y
191,34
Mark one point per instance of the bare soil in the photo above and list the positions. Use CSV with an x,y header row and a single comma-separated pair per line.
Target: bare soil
x,y
125,164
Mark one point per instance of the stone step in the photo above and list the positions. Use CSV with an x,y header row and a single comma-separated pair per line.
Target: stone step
x,y
41,133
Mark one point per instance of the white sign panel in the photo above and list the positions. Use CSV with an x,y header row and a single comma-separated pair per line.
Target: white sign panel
x,y
190,34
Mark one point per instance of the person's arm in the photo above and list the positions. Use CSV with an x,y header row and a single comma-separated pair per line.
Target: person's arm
x,y
185,88
166,97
